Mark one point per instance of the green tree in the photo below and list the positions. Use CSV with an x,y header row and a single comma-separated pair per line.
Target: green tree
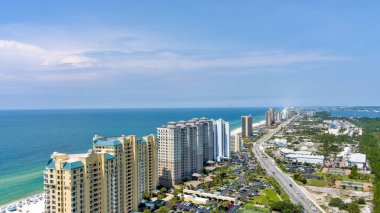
x,y
336,202
147,211
353,207
147,196
354,172
286,206
361,201
163,209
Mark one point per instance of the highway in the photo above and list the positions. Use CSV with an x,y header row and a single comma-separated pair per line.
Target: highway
x,y
297,195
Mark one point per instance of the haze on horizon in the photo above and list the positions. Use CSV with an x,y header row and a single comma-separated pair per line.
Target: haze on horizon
x,y
130,54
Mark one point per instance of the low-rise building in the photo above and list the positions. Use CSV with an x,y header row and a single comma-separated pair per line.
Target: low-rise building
x,y
353,185
299,158
195,199
357,159
336,171
285,151
210,196
279,142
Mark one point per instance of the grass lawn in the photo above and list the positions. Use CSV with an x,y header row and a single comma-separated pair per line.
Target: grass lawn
x,y
249,207
318,183
272,195
266,196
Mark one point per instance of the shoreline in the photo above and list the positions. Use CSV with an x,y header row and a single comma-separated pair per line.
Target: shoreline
x,y
35,203
254,125
31,204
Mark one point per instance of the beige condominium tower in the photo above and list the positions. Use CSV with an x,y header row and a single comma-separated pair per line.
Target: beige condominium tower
x,y
184,147
246,126
110,177
270,117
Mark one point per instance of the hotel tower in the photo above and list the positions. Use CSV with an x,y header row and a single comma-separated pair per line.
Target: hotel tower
x,y
183,148
111,177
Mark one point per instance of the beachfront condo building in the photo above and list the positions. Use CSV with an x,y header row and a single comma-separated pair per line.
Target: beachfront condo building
x,y
221,140
270,117
246,126
110,177
183,148
236,143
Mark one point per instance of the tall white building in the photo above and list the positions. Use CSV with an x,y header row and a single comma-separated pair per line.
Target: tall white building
x,y
221,139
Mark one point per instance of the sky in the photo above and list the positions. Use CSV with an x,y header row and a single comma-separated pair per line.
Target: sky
x,y
148,54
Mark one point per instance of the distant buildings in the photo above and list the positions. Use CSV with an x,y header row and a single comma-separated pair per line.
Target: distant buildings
x,y
246,126
272,117
184,147
221,140
111,177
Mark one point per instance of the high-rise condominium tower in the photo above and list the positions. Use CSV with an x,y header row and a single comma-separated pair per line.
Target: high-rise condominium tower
x,y
221,140
236,143
183,148
270,117
111,177
246,126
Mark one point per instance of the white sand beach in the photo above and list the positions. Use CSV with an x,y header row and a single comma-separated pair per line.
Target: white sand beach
x,y
254,125
32,204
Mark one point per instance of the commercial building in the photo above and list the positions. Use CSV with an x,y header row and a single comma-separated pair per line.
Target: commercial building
x,y
221,140
183,148
111,177
292,156
353,185
285,151
246,126
357,159
297,158
279,142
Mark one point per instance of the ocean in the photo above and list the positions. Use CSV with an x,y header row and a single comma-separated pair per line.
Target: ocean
x,y
29,137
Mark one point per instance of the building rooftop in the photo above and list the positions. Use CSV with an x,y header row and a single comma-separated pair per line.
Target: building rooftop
x,y
107,142
357,157
109,157
73,165
51,164
321,157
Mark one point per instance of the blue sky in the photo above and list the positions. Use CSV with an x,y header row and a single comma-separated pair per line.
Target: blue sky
x,y
128,54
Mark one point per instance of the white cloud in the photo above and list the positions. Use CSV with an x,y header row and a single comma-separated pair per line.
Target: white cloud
x,y
29,62
172,61
21,56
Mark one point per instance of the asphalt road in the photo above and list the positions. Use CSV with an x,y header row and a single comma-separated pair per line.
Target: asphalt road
x,y
290,187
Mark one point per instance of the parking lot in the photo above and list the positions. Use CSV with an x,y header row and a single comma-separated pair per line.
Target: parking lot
x,y
240,188
188,206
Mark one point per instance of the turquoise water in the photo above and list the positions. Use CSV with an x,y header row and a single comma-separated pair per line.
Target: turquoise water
x,y
29,137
